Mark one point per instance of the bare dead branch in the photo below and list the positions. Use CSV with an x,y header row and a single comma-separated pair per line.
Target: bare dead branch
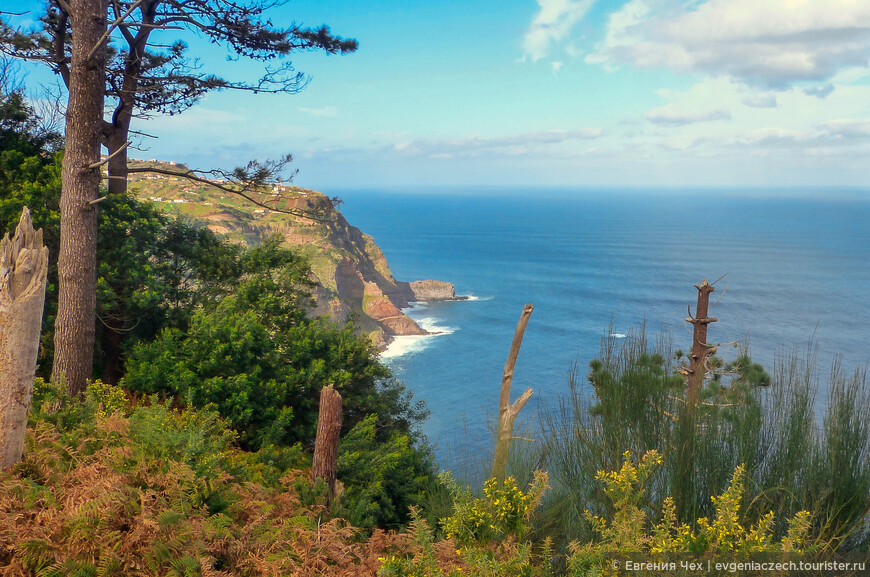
x,y
110,157
507,413
112,28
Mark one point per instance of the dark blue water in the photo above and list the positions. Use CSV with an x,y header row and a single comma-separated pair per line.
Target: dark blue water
x,y
797,269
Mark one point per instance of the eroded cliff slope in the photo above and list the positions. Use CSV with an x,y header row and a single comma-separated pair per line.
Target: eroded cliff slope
x,y
354,278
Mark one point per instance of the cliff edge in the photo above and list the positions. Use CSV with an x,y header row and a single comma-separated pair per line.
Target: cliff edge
x,y
354,279
353,275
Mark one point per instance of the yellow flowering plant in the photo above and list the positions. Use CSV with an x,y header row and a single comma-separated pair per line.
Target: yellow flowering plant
x,y
627,531
503,511
109,398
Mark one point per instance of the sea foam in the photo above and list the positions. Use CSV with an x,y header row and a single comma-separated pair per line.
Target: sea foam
x,y
471,297
411,344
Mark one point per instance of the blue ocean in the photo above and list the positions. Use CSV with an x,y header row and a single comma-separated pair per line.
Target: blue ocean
x,y
793,270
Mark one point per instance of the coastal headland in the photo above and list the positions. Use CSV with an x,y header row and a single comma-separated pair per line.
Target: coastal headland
x,y
353,278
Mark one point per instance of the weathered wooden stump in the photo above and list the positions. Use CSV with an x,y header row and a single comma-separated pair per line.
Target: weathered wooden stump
x,y
697,369
325,460
23,272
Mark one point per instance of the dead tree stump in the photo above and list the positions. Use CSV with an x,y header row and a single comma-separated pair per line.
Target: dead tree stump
x,y
23,271
697,369
325,460
507,412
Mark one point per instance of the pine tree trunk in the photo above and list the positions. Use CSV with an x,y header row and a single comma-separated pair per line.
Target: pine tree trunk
x,y
697,370
112,353
77,261
23,271
325,460
117,165
117,132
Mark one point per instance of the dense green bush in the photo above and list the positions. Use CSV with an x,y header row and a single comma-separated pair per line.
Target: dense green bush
x,y
251,352
384,475
796,459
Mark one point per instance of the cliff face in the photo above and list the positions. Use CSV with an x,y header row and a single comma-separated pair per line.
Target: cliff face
x,y
351,270
354,276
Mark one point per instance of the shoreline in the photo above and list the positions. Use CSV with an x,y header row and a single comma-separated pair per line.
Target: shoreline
x,y
390,340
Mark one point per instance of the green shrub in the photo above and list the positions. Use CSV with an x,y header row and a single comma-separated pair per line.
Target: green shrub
x,y
796,458
383,475
631,531
504,510
197,438
256,358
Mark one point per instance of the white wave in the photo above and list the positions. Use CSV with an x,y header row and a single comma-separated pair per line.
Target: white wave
x,y
471,297
617,335
401,346
411,344
431,324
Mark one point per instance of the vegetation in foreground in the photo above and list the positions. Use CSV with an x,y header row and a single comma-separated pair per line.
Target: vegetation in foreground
x,y
191,456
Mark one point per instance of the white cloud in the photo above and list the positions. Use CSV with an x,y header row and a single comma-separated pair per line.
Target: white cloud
x,y
848,129
769,43
672,116
765,100
511,145
819,91
552,25
556,66
327,111
789,125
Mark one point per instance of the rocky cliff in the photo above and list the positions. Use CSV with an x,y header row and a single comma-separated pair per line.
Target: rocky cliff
x,y
354,278
353,274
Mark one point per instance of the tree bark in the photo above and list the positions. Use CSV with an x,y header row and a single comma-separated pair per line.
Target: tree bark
x,y
325,462
117,131
23,272
507,413
117,165
77,261
700,349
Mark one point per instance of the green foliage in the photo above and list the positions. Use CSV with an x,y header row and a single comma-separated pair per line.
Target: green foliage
x,y
504,511
257,359
163,492
197,438
631,531
265,384
746,417
384,474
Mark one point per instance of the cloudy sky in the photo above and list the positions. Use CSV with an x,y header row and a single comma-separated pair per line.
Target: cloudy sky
x,y
753,93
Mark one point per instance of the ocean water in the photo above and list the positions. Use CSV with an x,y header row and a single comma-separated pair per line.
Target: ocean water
x,y
796,269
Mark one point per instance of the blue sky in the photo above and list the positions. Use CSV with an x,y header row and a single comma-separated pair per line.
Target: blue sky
x,y
553,92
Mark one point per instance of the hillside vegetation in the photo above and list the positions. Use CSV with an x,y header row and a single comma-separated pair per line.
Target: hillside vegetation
x,y
351,272
192,455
